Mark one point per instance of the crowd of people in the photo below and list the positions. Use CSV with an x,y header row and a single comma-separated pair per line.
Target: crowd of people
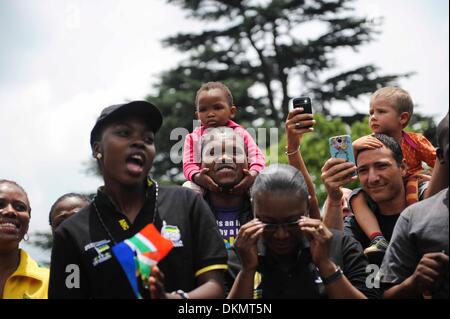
x,y
240,229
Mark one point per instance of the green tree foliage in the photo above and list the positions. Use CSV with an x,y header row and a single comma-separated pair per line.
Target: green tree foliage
x,y
425,125
266,53
42,240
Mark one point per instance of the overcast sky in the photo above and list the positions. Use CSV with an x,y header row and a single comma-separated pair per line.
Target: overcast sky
x,y
63,61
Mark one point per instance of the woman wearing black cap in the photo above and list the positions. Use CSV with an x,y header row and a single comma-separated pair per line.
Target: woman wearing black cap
x,y
83,265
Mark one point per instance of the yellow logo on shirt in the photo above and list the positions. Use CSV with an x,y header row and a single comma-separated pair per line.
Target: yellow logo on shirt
x,y
123,223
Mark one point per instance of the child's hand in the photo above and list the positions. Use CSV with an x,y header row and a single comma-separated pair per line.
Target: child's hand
x,y
204,180
366,143
246,182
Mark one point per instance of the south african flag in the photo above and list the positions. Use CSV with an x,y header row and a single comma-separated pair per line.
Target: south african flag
x,y
139,253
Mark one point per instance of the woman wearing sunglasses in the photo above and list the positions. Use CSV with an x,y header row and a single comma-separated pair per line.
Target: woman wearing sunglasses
x,y
285,254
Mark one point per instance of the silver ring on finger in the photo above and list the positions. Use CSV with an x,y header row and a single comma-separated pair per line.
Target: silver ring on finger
x,y
297,125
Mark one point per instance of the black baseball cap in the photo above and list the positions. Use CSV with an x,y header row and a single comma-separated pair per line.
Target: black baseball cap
x,y
148,111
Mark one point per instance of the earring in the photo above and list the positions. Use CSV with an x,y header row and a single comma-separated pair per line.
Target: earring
x,y
26,237
99,156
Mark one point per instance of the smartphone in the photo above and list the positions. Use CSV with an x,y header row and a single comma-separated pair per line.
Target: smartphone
x,y
304,102
341,147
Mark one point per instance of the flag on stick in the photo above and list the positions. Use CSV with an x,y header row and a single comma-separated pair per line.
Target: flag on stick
x,y
139,253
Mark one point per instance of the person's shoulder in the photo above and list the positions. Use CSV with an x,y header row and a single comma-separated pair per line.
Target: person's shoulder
x,y
234,125
433,200
347,242
242,131
353,230
418,138
196,130
355,192
176,190
415,135
423,208
370,202
341,236
349,222
31,268
247,210
31,279
337,234
179,196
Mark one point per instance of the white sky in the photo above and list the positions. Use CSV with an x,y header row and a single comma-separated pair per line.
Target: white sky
x,y
63,61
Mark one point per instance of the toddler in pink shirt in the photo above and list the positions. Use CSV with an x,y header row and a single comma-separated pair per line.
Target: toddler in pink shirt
x,y
214,104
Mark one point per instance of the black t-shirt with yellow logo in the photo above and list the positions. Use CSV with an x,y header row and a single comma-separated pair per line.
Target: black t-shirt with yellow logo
x,y
82,244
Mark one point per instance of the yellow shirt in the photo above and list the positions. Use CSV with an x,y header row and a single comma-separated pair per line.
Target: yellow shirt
x,y
29,281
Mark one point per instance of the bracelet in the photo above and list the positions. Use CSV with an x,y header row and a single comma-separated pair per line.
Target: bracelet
x,y
293,152
181,293
332,278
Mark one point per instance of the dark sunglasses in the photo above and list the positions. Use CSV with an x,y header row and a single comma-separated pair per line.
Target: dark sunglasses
x,y
272,228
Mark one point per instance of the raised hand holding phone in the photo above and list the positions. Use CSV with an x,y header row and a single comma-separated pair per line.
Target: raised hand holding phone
x,y
304,102
341,147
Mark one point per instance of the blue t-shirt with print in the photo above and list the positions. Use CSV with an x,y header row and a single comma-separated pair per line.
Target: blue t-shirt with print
x,y
228,222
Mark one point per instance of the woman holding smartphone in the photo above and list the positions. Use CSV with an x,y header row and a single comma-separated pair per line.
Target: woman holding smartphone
x,y
298,123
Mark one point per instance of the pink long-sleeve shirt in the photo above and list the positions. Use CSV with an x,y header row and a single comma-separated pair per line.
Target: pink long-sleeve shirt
x,y
192,157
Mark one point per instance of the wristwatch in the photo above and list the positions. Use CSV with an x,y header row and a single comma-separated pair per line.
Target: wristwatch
x,y
181,293
335,276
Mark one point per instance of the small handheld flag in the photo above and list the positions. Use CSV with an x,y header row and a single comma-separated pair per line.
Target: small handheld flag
x,y
139,253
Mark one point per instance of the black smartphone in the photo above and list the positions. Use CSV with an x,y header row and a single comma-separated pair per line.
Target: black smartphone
x,y
304,102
